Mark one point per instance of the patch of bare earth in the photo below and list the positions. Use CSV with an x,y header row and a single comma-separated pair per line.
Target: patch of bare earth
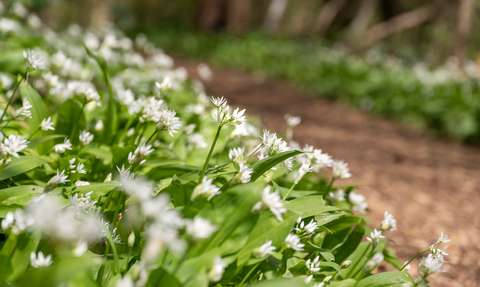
x,y
430,185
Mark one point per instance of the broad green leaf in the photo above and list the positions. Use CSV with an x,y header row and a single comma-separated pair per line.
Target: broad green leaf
x,y
70,121
283,282
327,217
18,194
98,188
268,227
62,269
164,171
39,110
161,277
308,206
229,211
343,283
103,151
110,122
15,254
264,165
359,257
181,192
325,253
36,141
387,279
345,243
22,165
120,154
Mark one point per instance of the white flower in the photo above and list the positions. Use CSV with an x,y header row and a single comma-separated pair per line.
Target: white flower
x,y
309,229
125,281
82,202
18,220
443,239
313,266
271,201
373,262
302,171
293,241
219,101
81,183
292,121
429,266
99,126
205,190
8,221
165,86
81,168
126,97
51,80
41,260
5,80
13,145
217,270
438,254
34,61
136,158
80,248
61,148
308,279
337,196
200,228
85,137
244,174
9,25
196,141
375,237
389,223
264,250
91,95
204,72
340,169
55,181
24,111
320,160
358,202
236,154
168,121
47,124
125,173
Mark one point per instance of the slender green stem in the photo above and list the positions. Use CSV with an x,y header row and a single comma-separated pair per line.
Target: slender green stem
x,y
102,269
406,264
209,155
356,263
11,98
1,130
125,129
288,193
33,134
249,273
151,137
330,184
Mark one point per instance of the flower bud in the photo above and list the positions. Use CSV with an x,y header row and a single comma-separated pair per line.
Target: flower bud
x,y
131,239
346,264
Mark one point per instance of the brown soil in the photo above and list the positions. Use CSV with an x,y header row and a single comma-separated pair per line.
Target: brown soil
x,y
429,184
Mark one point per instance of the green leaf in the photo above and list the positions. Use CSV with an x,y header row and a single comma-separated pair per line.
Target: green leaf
x,y
36,141
70,119
268,227
235,212
103,151
181,192
283,282
19,195
391,257
264,165
22,165
99,189
62,269
39,110
308,206
15,254
110,123
164,171
160,277
343,283
387,279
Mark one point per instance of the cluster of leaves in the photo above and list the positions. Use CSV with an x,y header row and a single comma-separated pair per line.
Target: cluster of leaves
x,y
443,100
158,221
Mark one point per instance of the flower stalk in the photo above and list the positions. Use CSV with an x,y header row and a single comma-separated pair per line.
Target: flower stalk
x,y
202,174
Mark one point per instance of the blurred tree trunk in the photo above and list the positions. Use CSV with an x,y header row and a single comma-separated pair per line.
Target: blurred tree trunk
x,y
362,19
232,14
275,12
327,15
398,23
238,15
100,13
464,13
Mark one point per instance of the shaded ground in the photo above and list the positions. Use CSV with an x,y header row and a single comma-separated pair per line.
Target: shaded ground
x,y
430,185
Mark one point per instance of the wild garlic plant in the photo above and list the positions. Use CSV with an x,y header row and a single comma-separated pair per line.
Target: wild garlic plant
x,y
117,170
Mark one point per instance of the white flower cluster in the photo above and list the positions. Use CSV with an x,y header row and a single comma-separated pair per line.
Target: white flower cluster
x,y
271,201
222,115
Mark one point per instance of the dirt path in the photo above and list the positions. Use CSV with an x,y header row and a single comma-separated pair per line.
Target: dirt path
x,y
430,185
